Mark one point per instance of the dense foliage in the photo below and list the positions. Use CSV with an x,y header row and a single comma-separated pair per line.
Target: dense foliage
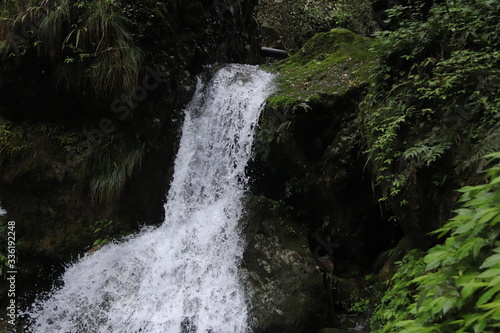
x,y
295,21
108,166
393,304
436,93
87,42
430,116
460,288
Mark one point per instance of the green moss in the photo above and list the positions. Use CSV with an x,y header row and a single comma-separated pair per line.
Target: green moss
x,y
330,64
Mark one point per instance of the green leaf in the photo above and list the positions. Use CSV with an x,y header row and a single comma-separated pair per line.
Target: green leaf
x,y
471,287
434,258
489,215
488,295
449,304
494,281
471,318
422,298
489,273
464,279
479,327
465,227
491,261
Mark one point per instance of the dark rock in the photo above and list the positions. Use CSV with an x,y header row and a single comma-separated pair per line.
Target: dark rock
x,y
333,330
284,287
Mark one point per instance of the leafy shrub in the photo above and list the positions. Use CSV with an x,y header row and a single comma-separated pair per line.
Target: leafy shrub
x,y
103,232
392,307
459,291
356,15
295,21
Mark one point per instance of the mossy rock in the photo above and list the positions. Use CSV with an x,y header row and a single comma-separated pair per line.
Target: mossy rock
x,y
309,148
329,64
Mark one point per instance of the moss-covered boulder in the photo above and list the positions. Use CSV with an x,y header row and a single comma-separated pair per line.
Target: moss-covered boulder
x,y
309,148
285,289
329,66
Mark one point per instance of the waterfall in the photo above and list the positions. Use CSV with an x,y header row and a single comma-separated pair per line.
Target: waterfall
x,y
182,276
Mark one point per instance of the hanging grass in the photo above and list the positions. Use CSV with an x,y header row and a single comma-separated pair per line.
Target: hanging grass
x,y
87,42
108,166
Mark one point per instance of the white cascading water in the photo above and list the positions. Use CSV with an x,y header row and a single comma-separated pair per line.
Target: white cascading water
x,y
182,276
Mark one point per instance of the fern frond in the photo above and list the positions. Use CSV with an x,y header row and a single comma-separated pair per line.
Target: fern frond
x,y
425,155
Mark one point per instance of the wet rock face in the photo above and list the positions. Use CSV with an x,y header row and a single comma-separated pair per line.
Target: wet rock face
x,y
285,289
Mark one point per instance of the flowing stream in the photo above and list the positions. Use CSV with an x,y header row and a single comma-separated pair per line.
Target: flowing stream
x,y
184,275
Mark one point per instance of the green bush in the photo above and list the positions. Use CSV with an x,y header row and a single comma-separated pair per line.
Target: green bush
x,y
459,290
392,306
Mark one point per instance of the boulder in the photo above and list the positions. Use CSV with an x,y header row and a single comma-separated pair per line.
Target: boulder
x,y
285,289
309,147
